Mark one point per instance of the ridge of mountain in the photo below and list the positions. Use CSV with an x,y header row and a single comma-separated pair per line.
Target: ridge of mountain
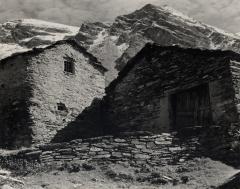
x,y
114,44
23,35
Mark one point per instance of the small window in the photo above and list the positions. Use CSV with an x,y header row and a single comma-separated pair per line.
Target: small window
x,y
69,67
61,107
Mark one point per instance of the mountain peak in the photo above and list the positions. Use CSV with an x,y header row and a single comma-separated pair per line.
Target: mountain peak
x,y
168,11
115,44
149,6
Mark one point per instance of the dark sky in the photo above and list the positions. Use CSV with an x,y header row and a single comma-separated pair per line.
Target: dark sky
x,y
224,14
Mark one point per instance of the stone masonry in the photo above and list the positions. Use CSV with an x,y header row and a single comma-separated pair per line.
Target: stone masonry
x,y
169,88
39,97
153,150
145,97
136,149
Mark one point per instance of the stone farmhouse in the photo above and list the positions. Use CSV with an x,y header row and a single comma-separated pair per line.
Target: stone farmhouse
x,y
162,89
52,94
166,89
44,89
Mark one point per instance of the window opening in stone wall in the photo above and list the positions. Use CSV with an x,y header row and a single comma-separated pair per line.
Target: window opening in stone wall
x,y
69,67
61,107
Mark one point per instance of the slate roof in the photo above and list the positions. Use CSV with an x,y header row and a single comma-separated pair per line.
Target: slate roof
x,y
152,50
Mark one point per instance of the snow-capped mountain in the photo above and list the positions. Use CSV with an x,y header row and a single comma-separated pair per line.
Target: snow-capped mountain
x,y
23,35
114,44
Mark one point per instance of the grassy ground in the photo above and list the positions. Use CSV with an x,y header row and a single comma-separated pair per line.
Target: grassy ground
x,y
201,173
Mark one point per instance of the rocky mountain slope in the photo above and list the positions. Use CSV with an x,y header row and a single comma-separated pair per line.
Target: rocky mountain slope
x,y
114,44
22,35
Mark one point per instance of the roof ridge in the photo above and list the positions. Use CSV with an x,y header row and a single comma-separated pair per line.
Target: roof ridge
x,y
153,47
69,41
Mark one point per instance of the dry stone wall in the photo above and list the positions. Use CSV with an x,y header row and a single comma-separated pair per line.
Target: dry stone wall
x,y
52,86
14,94
235,69
39,98
140,99
137,150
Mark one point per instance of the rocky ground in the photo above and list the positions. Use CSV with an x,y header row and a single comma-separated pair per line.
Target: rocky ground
x,y
199,173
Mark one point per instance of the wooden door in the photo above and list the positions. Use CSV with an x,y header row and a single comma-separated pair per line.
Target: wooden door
x,y
192,107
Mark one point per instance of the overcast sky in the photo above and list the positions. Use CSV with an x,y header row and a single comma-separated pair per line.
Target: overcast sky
x,y
224,14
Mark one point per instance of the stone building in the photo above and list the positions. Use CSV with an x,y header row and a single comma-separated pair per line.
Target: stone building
x,y
171,88
44,89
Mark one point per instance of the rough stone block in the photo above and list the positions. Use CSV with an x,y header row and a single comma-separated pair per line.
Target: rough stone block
x,y
142,156
95,149
118,140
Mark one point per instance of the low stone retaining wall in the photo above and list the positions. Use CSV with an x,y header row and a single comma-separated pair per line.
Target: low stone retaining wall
x,y
137,150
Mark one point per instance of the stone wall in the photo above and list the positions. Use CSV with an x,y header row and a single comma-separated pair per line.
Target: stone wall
x,y
52,86
14,93
137,149
153,150
88,124
34,84
140,98
235,69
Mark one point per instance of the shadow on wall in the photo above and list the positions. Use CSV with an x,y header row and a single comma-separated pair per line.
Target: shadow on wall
x,y
15,126
90,123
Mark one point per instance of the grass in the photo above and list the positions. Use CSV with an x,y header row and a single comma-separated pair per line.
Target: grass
x,y
200,173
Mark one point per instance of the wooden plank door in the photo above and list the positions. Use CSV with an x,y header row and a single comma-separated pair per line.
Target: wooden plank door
x,y
192,107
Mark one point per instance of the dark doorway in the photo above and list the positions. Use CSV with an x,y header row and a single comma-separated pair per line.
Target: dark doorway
x,y
191,107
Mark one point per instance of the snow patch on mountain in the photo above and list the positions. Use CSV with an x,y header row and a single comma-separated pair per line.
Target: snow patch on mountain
x,y
100,38
40,25
221,31
23,35
8,49
45,24
123,47
180,15
191,21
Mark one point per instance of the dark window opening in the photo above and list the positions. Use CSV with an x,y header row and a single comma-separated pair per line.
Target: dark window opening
x,y
69,67
61,107
2,86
